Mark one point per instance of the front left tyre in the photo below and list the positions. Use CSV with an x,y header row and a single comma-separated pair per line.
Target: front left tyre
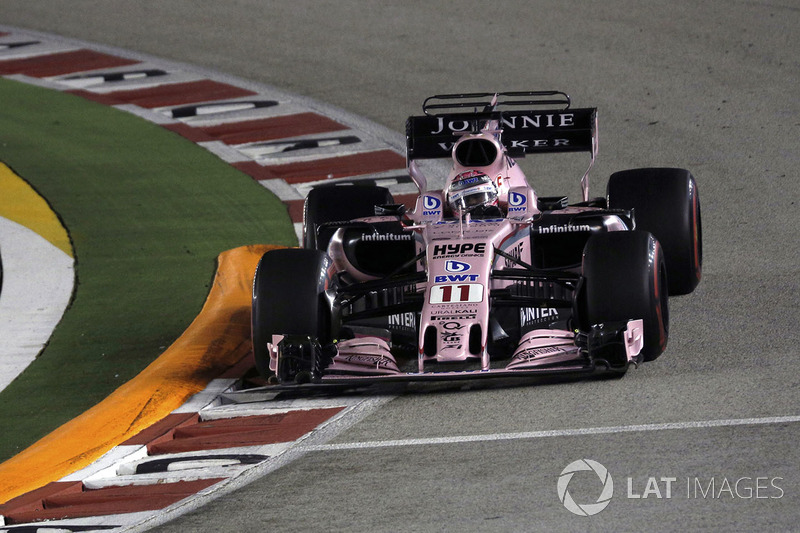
x,y
288,299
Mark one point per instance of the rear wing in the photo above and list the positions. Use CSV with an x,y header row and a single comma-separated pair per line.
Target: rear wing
x,y
524,132
530,125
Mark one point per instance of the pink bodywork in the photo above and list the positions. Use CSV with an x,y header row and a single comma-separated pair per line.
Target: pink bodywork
x,y
460,260
460,256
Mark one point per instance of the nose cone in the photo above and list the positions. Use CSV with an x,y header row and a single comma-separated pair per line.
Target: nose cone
x,y
452,341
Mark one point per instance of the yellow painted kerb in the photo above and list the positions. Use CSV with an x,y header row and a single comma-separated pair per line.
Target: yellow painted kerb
x,y
20,203
217,339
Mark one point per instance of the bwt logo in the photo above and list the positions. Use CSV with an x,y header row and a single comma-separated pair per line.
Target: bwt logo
x,y
431,202
455,278
585,509
516,199
456,266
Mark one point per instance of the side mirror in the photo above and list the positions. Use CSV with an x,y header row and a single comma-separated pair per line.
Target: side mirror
x,y
390,209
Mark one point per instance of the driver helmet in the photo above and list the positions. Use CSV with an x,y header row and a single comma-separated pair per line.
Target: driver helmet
x,y
471,191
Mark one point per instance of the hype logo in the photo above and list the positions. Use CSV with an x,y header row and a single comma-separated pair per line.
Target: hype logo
x,y
456,266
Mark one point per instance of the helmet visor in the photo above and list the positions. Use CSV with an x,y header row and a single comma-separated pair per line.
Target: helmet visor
x,y
465,200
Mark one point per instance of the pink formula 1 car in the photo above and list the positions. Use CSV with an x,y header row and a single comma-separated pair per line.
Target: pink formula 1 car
x,y
481,278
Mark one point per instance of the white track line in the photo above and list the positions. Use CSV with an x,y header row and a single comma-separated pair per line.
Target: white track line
x,y
702,424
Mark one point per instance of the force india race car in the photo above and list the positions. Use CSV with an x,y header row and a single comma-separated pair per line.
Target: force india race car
x,y
481,278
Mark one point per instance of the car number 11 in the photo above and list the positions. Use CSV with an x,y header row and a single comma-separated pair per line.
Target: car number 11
x,y
464,293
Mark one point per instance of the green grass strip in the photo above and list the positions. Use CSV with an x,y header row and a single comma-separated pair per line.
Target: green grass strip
x,y
148,212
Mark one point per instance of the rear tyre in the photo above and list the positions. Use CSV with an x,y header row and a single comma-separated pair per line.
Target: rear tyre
x,y
288,300
333,203
626,278
665,203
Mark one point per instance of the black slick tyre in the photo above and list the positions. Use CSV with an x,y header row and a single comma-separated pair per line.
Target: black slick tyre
x,y
625,278
288,299
665,203
334,203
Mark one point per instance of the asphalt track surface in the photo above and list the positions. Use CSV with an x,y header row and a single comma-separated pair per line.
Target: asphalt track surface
x,y
708,86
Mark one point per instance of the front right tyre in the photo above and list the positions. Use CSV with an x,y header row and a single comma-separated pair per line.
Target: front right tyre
x,y
625,278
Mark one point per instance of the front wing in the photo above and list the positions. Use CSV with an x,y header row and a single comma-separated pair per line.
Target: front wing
x,y
605,348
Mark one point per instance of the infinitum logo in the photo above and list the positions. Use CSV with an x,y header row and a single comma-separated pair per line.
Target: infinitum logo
x,y
585,509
